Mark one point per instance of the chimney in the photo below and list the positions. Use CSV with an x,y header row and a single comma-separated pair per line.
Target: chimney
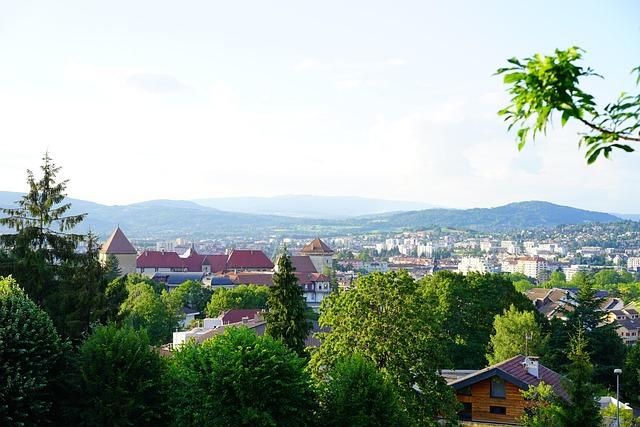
x,y
531,365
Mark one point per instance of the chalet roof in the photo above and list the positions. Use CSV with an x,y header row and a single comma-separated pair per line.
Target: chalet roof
x,y
248,258
317,247
514,371
118,243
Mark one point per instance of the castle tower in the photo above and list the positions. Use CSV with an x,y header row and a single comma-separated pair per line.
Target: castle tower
x,y
120,247
320,253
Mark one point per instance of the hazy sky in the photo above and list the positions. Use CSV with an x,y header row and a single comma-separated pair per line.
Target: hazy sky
x,y
147,99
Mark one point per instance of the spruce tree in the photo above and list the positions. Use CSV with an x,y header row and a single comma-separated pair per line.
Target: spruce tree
x,y
582,410
287,318
43,237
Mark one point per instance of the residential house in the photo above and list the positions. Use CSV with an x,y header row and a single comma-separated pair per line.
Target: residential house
x,y
494,394
320,253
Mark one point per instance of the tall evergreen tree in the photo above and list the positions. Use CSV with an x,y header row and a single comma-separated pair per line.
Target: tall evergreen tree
x,y
43,237
582,409
287,315
79,300
606,349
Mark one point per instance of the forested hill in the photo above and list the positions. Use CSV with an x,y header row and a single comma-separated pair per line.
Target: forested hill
x,y
176,218
520,215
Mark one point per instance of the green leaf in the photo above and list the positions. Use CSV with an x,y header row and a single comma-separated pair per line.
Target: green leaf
x,y
514,77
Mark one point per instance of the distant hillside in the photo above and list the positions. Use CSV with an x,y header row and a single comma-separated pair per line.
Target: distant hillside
x,y
169,219
306,206
532,214
160,219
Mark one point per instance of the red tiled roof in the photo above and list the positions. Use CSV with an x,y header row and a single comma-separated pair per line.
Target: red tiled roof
x,y
217,262
118,243
317,247
159,259
235,316
247,258
193,260
303,264
251,278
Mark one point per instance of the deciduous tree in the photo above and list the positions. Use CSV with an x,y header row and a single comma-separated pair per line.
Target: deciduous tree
x,y
357,394
516,332
121,380
386,319
240,379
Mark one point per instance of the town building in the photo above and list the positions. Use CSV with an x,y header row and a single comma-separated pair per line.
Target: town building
x,y
633,263
119,247
321,255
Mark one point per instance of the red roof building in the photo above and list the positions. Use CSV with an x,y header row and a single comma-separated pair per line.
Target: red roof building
x,y
248,259
317,247
159,260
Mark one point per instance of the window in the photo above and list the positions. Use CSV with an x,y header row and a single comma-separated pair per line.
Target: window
x,y
500,410
498,388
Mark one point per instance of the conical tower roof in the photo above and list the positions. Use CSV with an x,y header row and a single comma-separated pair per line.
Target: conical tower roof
x,y
317,247
118,243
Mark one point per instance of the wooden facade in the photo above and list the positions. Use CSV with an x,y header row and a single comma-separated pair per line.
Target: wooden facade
x,y
485,408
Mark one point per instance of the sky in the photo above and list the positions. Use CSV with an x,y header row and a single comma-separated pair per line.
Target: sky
x,y
141,100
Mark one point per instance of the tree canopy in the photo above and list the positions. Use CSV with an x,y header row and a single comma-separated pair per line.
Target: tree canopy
x,y
467,306
121,381
386,319
359,395
242,296
240,379
32,359
516,332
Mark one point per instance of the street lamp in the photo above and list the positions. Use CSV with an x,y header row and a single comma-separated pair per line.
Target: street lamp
x,y
617,371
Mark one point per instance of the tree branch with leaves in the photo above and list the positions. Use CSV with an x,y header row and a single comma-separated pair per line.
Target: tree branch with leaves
x,y
543,85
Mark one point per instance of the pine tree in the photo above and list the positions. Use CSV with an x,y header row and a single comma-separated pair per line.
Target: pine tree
x,y
79,300
42,238
582,409
287,318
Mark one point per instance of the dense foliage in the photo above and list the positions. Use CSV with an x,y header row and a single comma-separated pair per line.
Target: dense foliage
x,y
516,332
240,379
121,380
32,359
242,296
469,325
386,319
145,310
582,408
359,395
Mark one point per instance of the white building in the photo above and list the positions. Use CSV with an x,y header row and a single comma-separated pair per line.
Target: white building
x,y
570,271
633,263
473,264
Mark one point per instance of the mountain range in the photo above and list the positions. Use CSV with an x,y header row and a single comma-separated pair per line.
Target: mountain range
x,y
160,219
307,206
